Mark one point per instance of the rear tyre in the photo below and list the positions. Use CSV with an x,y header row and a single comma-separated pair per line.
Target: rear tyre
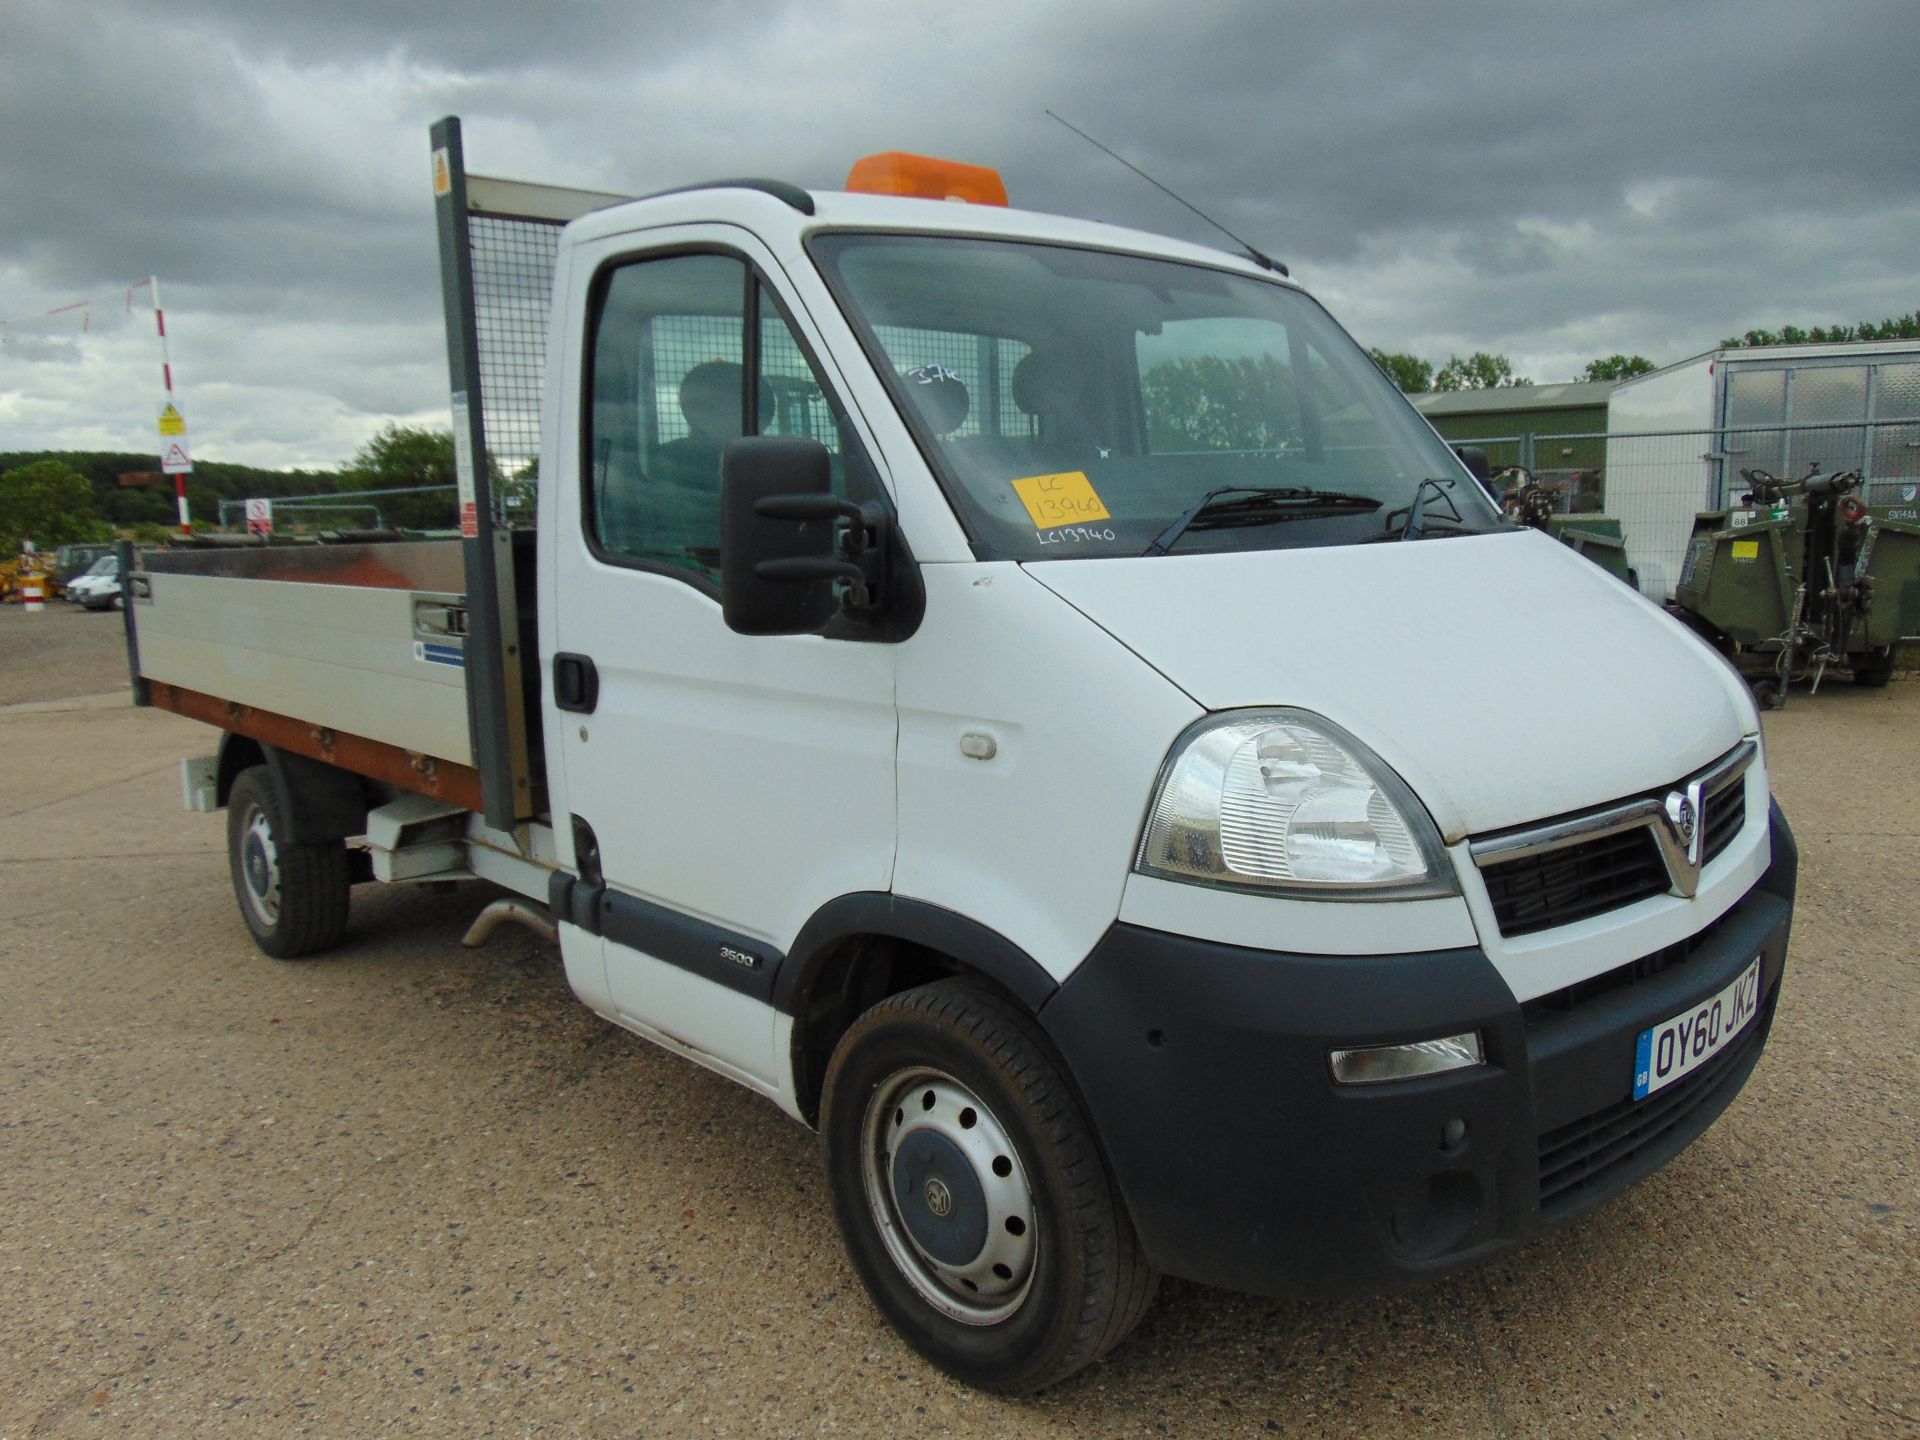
x,y
293,897
1873,669
971,1194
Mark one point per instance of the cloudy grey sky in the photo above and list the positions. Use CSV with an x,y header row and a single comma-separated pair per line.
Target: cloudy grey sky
x,y
1553,181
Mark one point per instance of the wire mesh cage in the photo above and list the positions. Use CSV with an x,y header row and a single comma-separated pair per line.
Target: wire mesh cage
x,y
513,261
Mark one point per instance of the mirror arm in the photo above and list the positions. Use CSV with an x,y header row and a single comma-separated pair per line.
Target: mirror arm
x,y
859,541
862,538
806,508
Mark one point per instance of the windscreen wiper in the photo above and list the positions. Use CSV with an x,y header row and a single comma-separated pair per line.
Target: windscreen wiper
x,y
1416,513
1256,505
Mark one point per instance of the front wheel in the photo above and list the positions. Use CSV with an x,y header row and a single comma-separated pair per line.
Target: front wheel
x,y
971,1194
293,896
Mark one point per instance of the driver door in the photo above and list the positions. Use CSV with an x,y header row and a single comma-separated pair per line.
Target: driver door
x,y
733,783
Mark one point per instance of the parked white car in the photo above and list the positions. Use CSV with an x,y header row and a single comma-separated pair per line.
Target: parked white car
x,y
99,587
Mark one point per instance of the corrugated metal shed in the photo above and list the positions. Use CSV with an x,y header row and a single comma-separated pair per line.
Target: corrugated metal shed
x,y
1591,394
1540,411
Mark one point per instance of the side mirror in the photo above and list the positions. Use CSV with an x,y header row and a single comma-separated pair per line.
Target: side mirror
x,y
1475,459
792,553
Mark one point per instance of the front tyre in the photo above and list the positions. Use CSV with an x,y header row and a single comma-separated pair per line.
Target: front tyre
x,y
971,1194
293,897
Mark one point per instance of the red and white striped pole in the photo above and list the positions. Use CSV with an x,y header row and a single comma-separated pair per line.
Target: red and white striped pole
x,y
166,371
33,588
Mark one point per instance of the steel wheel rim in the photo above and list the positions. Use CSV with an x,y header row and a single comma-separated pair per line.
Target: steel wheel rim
x,y
259,867
921,1112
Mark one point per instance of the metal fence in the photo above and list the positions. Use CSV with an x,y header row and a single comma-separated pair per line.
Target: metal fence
x,y
298,509
1655,482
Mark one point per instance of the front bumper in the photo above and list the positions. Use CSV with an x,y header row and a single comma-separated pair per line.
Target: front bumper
x,y
1204,1067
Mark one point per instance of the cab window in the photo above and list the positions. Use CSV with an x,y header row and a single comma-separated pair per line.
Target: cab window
x,y
674,343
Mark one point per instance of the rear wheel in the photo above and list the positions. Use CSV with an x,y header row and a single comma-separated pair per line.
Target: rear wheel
x,y
972,1196
1873,668
293,897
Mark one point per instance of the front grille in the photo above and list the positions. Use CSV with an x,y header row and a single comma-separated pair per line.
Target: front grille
x,y
1548,1008
1620,865
1584,1153
1561,886
1726,813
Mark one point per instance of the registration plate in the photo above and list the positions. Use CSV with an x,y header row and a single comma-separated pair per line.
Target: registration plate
x,y
1676,1048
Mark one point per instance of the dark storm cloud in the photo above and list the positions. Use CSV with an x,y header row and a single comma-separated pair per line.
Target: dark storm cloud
x,y
1324,125
145,146
1553,181
475,36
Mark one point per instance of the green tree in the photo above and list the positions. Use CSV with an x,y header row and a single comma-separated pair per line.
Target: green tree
x,y
1618,367
48,503
1894,327
1212,403
1479,371
402,457
517,496
1412,374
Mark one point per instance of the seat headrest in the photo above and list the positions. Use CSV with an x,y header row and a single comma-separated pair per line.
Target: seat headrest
x,y
710,398
1045,383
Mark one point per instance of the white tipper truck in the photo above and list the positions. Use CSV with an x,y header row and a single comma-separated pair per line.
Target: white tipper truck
x,y
1032,700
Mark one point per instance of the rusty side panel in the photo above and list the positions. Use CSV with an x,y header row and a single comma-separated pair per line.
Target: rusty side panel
x,y
423,774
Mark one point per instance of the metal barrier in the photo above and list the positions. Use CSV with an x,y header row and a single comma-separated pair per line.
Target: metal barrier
x,y
336,500
1655,481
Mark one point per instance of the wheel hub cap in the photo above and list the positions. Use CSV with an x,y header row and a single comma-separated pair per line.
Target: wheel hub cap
x,y
256,866
939,1197
950,1196
260,868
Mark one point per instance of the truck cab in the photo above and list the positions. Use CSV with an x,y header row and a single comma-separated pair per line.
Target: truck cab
x,y
1348,990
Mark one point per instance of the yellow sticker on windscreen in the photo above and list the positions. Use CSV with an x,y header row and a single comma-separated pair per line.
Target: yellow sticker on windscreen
x,y
1066,499
1746,549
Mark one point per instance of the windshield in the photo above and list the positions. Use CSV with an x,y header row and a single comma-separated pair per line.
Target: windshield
x,y
1077,403
105,565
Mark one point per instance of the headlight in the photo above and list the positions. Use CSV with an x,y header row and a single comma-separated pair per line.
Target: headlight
x,y
1283,800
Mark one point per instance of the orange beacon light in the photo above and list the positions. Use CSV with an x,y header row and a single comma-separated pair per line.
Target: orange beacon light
x,y
922,176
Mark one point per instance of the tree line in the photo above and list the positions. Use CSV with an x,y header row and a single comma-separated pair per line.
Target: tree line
x,y
1896,327
61,497
1484,371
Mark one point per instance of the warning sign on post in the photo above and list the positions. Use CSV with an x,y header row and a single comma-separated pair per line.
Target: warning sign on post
x,y
172,422
260,517
175,460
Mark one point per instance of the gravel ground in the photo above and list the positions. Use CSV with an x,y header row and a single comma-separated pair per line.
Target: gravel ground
x,y
414,1188
61,651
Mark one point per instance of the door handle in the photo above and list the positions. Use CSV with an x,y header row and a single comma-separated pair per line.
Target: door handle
x,y
576,683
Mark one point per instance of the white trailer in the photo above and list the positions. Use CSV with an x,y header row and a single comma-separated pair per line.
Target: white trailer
x,y
1679,437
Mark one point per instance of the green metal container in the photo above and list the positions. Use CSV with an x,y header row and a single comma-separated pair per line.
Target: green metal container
x,y
1740,580
1598,538
1740,587
1893,561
